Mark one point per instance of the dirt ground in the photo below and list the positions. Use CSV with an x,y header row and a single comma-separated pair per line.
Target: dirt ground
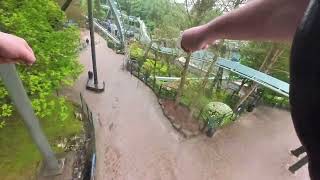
x,y
136,142
180,115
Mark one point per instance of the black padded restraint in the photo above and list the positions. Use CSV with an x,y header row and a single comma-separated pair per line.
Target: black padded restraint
x,y
305,85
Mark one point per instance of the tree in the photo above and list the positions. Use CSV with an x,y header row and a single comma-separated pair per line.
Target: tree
x,y
203,11
228,5
201,89
199,9
148,10
182,80
42,24
98,11
253,54
271,57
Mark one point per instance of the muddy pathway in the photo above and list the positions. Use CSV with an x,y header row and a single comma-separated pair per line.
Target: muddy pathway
x,y
136,142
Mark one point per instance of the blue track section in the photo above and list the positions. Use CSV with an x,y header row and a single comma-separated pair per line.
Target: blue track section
x,y
263,79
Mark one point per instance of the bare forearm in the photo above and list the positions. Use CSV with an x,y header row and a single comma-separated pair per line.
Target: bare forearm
x,y
274,20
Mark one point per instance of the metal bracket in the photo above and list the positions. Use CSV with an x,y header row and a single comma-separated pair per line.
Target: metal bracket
x,y
298,165
297,152
98,88
46,172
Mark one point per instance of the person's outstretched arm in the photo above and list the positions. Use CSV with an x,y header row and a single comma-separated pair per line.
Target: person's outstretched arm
x,y
274,20
14,49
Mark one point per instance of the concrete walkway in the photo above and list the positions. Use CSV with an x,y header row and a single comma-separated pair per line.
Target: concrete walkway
x,y
136,142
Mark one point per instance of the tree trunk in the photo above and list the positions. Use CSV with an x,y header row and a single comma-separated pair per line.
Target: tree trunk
x,y
266,59
148,48
155,68
218,79
169,64
262,66
271,53
202,88
274,60
245,97
65,5
182,80
241,86
154,73
219,52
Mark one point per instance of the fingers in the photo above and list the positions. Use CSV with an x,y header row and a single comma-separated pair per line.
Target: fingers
x,y
30,57
26,54
28,47
181,42
183,48
189,51
205,47
15,49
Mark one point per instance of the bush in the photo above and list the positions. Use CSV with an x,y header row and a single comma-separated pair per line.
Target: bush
x,y
276,100
218,113
167,93
136,52
110,44
231,100
56,46
190,90
175,71
148,67
20,156
272,98
225,97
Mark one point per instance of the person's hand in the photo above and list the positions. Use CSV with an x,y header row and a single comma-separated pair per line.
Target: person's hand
x,y
194,39
14,49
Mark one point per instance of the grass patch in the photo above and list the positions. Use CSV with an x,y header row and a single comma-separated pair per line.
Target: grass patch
x,y
19,156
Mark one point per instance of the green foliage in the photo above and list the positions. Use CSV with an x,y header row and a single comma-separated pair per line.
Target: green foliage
x,y
219,114
204,11
149,10
175,71
98,11
19,155
2,124
136,52
6,110
42,24
110,44
254,53
271,98
149,68
190,91
160,14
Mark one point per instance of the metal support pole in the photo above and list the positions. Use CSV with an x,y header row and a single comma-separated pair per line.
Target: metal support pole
x,y
93,47
93,86
117,15
21,101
